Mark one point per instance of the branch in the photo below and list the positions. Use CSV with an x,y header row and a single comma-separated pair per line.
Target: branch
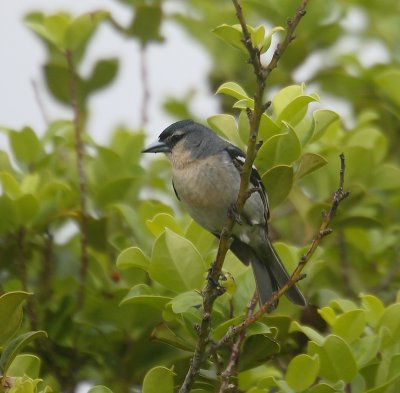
x,y
323,231
212,291
80,164
226,385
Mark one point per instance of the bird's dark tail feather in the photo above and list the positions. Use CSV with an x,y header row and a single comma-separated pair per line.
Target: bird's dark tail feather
x,y
281,275
269,272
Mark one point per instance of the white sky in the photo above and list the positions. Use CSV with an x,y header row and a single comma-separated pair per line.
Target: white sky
x,y
170,73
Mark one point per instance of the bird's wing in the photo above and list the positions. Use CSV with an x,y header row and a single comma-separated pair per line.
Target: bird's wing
x,y
238,157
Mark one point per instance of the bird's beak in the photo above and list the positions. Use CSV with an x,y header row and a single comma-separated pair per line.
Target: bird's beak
x,y
157,147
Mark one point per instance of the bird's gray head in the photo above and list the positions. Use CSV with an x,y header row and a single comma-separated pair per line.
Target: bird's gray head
x,y
192,137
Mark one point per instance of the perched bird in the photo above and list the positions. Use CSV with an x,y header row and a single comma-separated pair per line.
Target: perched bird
x,y
206,179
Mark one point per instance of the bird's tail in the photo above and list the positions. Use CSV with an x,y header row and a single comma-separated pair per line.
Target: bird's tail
x,y
274,267
269,272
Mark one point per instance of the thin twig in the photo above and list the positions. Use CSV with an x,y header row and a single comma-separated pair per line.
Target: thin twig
x,y
40,102
323,231
230,370
80,163
211,291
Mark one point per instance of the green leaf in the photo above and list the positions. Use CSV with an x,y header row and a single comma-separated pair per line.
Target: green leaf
x,y
10,186
281,149
322,119
131,258
185,301
278,182
58,82
308,331
389,81
99,389
50,28
158,377
176,263
12,348
81,29
374,308
232,35
233,89
295,111
256,350
147,22
25,364
226,126
8,214
386,177
309,162
25,145
161,221
142,294
164,334
336,359
27,207
365,349
302,372
391,321
11,313
350,325
103,74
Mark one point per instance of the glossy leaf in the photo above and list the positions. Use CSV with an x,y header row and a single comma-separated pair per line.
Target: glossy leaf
x,y
176,264
309,162
232,89
156,377
133,257
350,325
12,348
278,182
302,372
142,294
226,127
11,313
336,359
25,364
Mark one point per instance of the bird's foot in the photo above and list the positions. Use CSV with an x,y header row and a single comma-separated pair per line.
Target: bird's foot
x,y
233,213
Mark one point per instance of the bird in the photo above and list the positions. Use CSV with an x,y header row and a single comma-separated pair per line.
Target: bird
x,y
206,179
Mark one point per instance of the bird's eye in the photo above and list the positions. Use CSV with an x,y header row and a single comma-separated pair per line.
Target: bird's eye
x,y
175,138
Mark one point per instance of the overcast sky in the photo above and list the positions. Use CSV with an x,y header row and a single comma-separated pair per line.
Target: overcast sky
x,y
170,73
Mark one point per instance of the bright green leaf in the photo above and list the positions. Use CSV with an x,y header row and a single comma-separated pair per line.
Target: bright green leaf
x,y
25,364
226,126
142,294
322,119
11,313
176,263
389,82
336,359
302,372
374,308
12,348
232,89
185,301
25,145
308,331
391,321
281,149
350,325
309,162
158,377
161,221
131,258
232,35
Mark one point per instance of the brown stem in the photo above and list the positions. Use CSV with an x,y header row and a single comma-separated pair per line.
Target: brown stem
x,y
80,164
231,369
210,292
323,231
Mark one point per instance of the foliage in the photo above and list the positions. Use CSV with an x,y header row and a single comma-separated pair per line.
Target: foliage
x,y
135,322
